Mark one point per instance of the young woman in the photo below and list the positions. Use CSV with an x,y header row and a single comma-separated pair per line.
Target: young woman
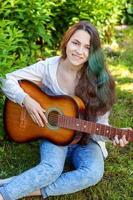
x,y
81,71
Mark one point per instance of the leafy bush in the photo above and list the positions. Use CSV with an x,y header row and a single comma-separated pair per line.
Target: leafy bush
x,y
103,14
32,29
11,44
128,12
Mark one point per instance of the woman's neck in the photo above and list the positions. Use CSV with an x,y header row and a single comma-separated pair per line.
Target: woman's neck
x,y
67,66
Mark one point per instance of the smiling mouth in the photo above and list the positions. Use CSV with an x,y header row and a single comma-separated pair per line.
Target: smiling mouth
x,y
76,56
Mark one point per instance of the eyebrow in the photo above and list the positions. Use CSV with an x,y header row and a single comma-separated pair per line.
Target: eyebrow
x,y
80,42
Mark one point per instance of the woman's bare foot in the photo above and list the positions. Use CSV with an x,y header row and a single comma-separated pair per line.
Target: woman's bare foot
x,y
36,193
1,198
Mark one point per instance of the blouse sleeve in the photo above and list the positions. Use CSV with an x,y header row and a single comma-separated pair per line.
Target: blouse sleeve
x,y
104,119
10,85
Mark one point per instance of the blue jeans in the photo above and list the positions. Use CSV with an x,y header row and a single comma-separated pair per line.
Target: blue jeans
x,y
48,175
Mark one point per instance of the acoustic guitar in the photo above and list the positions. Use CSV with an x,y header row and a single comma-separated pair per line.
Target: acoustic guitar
x,y
63,114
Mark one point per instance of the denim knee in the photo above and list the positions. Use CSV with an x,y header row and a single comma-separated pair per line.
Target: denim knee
x,y
91,177
52,171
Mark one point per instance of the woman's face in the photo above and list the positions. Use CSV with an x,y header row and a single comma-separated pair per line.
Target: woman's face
x,y
77,48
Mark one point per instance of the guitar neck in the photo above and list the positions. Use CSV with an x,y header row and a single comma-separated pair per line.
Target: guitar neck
x,y
92,127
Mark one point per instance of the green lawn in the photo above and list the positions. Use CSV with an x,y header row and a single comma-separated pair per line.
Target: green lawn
x,y
117,183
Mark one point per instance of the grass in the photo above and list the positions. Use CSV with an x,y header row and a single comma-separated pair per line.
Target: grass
x,y
117,183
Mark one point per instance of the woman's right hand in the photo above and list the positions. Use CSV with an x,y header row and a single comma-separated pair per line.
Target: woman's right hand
x,y
34,109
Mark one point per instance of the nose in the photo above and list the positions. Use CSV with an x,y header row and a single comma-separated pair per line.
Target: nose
x,y
80,50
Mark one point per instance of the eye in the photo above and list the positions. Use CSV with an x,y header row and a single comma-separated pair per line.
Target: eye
x,y
74,42
87,47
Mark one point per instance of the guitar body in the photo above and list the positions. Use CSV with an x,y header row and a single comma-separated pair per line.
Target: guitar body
x,y
20,127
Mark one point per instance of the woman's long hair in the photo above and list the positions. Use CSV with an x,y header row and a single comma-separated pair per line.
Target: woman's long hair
x,y
96,86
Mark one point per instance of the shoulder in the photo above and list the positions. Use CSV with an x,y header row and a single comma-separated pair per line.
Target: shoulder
x,y
103,119
52,60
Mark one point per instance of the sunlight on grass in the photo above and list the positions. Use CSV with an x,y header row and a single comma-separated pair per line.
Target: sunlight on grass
x,y
123,77
120,70
128,87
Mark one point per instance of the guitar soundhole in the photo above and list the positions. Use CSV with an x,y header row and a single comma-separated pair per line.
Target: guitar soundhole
x,y
53,118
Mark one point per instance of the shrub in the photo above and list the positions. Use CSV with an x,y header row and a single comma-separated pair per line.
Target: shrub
x,y
128,13
32,29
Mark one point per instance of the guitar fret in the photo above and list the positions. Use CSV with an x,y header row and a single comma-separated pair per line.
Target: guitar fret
x,y
81,125
64,121
102,130
88,126
114,130
107,132
94,125
73,122
98,128
84,126
129,134
67,122
126,133
91,127
77,124
119,132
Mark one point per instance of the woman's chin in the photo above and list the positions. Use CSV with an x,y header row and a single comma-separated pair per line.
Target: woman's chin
x,y
76,62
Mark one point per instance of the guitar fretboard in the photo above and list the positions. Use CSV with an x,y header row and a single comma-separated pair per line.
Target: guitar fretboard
x,y
92,127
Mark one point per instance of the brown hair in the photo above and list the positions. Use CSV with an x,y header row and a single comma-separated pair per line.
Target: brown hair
x,y
96,86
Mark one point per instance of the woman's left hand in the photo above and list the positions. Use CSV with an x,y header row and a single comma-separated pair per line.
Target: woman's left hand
x,y
121,141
